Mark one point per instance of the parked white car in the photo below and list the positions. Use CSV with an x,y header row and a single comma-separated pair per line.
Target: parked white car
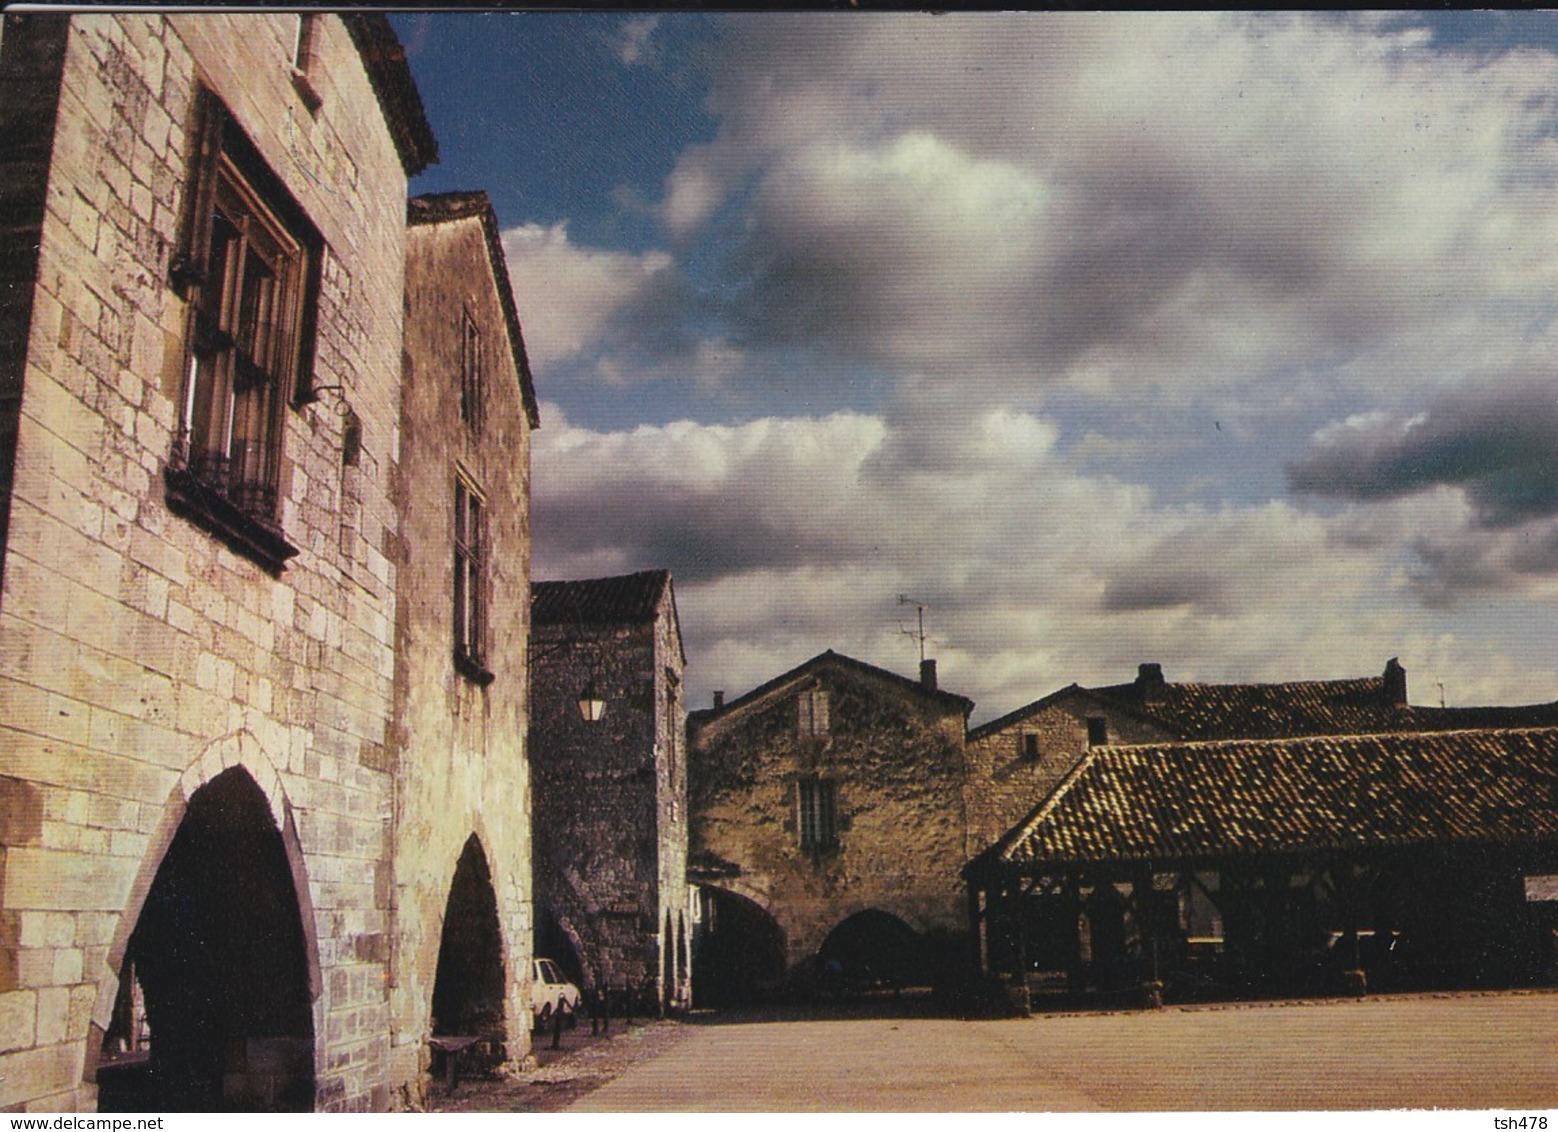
x,y
551,993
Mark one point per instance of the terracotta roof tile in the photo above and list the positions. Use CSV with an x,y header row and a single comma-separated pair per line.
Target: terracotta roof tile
x,y
622,600
1201,800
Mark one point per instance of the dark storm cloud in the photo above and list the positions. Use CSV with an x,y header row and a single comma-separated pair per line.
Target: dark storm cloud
x,y
1498,445
1158,589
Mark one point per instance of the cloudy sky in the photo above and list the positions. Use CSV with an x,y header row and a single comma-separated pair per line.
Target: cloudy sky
x,y
1225,341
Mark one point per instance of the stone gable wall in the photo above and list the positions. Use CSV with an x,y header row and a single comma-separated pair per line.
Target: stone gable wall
x,y
138,654
898,765
459,749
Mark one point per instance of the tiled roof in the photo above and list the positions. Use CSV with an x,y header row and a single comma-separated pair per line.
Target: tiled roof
x,y
623,600
1196,801
1462,718
1267,711
439,208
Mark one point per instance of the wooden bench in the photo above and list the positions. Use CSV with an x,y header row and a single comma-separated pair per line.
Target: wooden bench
x,y
451,1046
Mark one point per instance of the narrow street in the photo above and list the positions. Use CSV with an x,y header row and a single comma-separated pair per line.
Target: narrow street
x,y
1466,1051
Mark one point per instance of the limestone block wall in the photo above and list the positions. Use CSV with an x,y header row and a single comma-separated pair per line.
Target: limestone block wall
x,y
897,760
139,656
459,745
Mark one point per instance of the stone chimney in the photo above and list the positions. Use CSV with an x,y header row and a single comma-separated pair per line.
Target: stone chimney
x,y
928,675
719,700
1149,678
1395,682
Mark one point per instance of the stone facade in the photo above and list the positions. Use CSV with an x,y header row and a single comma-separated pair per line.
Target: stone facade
x,y
199,780
611,795
830,795
462,800
1015,761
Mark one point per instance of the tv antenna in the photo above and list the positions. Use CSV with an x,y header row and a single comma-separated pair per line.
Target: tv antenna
x,y
918,634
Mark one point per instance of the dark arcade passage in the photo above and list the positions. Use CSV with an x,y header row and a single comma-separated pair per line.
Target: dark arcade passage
x,y
873,950
468,999
219,958
738,952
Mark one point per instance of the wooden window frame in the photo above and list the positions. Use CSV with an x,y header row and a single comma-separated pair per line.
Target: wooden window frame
x,y
816,813
249,270
470,583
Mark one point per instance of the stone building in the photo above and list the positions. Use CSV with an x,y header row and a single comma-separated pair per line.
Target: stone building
x,y
462,810
828,828
1016,760
204,249
610,772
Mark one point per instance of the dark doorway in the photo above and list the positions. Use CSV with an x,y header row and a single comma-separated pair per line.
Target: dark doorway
x,y
219,964
738,955
554,943
468,988
874,950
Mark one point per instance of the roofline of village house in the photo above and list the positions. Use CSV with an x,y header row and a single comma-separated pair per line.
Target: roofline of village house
x,y
1101,698
709,715
441,208
399,100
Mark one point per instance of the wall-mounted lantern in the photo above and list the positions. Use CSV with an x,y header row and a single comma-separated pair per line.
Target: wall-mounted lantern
x,y
592,705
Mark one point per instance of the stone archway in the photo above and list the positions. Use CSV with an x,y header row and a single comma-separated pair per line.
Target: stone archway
x,y
873,949
468,988
738,954
220,959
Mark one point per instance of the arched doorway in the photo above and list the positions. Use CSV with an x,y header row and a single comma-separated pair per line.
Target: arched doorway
x,y
555,941
738,952
468,989
214,1011
873,950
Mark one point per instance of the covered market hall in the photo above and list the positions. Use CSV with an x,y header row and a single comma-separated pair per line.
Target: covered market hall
x,y
1309,866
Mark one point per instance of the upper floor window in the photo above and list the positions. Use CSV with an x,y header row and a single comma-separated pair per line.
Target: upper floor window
x,y
813,713
249,269
470,604
470,371
1030,747
1097,731
817,819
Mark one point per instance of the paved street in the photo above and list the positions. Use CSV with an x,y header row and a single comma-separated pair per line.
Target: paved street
x,y
1464,1051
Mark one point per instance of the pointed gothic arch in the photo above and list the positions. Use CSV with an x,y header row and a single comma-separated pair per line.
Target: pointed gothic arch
x,y
216,944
